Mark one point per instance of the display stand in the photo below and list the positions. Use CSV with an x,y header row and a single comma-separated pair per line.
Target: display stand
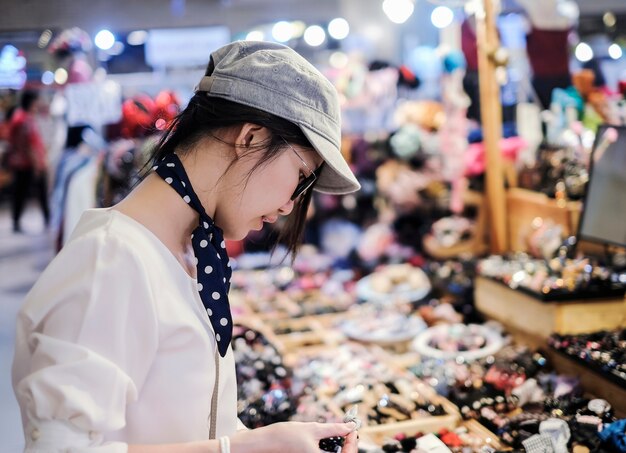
x,y
488,437
491,117
524,206
594,383
530,321
530,315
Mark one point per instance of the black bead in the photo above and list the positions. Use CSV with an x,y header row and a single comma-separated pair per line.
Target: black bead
x,y
331,444
390,448
408,443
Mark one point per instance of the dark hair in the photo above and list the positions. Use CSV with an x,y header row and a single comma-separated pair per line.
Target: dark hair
x,y
28,99
75,136
204,116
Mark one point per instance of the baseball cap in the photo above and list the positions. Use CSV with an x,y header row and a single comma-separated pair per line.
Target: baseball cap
x,y
276,79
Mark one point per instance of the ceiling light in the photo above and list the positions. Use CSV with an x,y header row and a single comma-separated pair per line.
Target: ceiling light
x,y
60,76
398,11
104,39
47,78
615,51
442,16
338,28
282,31
583,52
137,37
255,35
314,35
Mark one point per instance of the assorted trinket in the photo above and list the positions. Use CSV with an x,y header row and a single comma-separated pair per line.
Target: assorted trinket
x,y
508,390
553,279
460,440
264,390
350,375
464,342
604,351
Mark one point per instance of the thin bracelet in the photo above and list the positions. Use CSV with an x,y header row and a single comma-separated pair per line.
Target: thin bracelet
x,y
224,444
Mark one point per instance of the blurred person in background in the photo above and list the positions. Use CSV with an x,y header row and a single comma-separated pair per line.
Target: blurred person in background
x,y
27,159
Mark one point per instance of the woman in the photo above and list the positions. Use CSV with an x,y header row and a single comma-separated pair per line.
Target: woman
x,y
124,342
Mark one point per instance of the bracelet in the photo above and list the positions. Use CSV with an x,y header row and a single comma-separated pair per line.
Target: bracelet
x,y
224,444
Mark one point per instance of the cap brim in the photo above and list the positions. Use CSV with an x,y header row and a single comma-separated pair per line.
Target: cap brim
x,y
336,177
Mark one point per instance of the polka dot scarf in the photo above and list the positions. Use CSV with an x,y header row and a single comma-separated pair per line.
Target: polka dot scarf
x,y
213,266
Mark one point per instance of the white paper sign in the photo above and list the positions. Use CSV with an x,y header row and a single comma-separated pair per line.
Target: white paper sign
x,y
184,47
94,103
431,444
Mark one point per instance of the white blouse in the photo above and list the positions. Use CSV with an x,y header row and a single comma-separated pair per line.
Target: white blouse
x,y
114,347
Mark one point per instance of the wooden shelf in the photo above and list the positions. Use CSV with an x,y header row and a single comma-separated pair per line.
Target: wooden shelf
x,y
595,384
522,312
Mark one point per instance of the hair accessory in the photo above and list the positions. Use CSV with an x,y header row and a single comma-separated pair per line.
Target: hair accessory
x,y
274,78
351,416
559,433
599,406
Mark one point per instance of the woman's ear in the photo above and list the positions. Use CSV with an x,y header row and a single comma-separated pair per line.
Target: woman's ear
x,y
249,136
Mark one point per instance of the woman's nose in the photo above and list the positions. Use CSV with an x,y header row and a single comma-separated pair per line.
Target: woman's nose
x,y
286,208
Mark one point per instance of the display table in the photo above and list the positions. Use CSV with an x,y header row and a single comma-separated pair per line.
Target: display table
x,y
531,321
593,382
521,312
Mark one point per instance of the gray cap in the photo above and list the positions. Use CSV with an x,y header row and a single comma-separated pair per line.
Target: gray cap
x,y
274,78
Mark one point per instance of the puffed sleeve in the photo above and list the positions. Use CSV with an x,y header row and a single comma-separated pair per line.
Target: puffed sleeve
x,y
86,337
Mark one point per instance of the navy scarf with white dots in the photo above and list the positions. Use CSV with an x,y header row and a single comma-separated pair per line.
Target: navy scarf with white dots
x,y
213,266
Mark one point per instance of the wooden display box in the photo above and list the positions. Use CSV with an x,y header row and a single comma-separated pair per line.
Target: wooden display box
x,y
475,428
287,305
292,335
524,206
426,424
378,433
596,385
308,334
521,312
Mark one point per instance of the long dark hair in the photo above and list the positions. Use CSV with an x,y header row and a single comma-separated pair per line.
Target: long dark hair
x,y
204,116
28,99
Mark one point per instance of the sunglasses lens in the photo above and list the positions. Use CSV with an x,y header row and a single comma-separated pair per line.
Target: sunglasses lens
x,y
303,186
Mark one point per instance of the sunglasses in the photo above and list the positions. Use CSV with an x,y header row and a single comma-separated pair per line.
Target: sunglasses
x,y
308,181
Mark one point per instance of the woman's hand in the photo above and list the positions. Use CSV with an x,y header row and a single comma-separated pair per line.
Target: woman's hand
x,y
293,437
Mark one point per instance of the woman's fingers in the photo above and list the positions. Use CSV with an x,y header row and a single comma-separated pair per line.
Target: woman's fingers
x,y
352,443
323,430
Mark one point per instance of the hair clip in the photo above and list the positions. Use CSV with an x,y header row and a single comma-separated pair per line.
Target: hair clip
x,y
351,416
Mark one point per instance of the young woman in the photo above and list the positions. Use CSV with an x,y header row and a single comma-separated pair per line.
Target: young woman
x,y
124,342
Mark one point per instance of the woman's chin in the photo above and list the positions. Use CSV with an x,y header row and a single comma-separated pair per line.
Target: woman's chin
x,y
237,235
257,225
241,233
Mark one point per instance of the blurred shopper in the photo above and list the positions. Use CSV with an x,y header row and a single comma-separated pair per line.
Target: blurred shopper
x,y
27,159
551,22
124,343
